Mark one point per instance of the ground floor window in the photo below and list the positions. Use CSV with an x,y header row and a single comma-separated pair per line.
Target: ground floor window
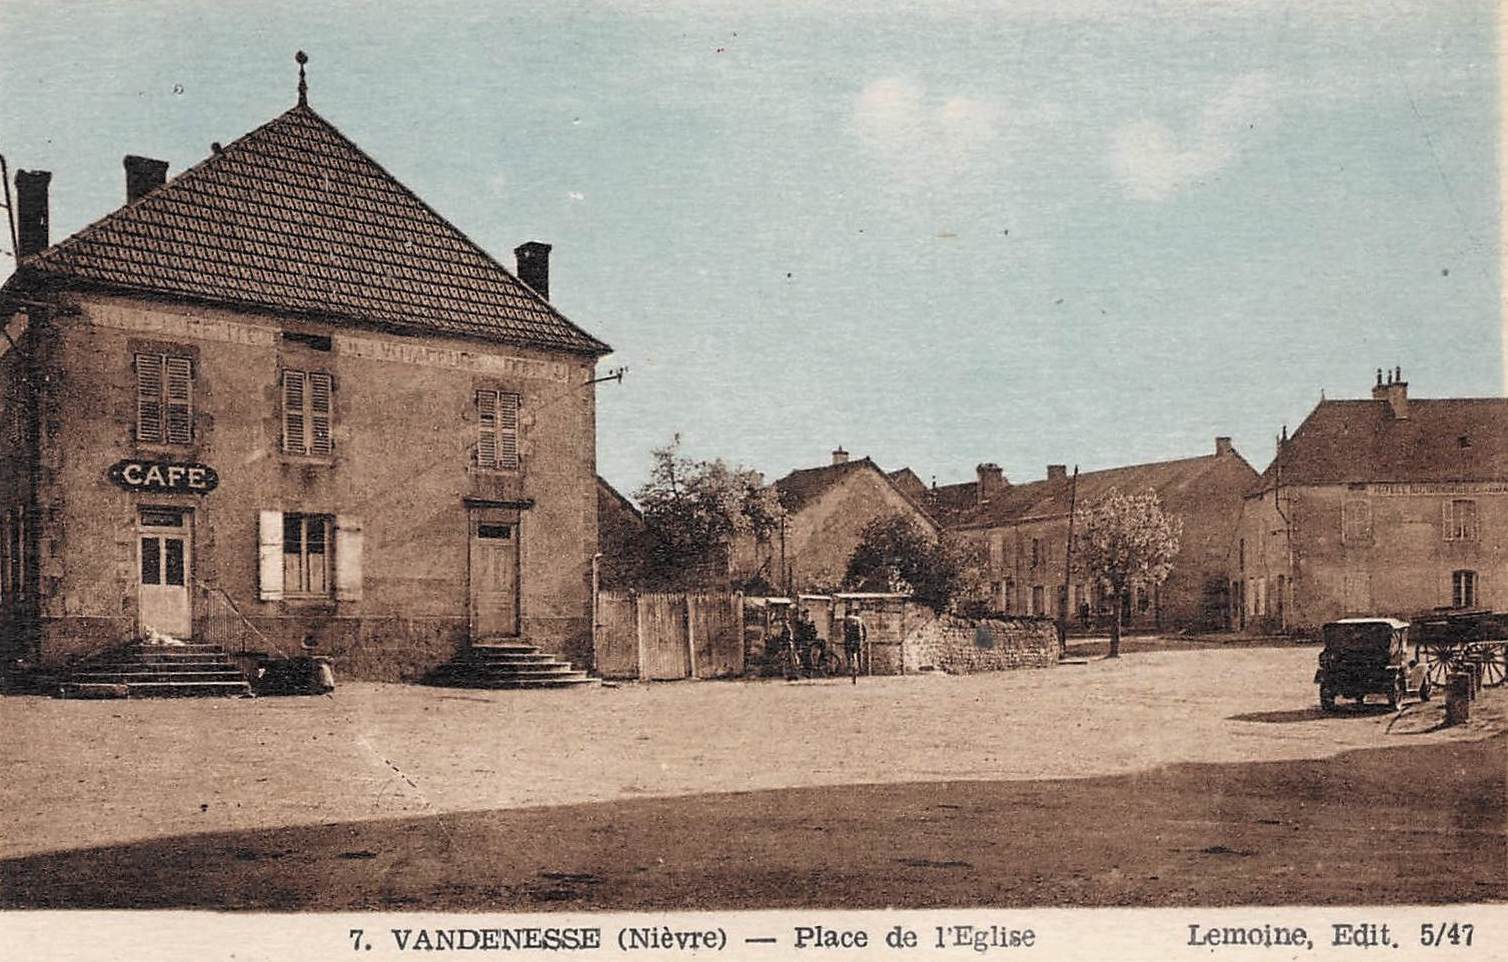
x,y
1463,589
1038,597
306,554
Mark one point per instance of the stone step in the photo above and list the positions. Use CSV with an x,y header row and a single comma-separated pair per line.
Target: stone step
x,y
576,679
186,646
158,666
137,677
503,646
169,654
160,689
507,658
532,671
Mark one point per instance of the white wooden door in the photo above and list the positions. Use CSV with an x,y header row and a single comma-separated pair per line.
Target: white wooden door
x,y
164,571
494,579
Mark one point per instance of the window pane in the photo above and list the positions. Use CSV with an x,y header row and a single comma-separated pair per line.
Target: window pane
x,y
315,535
293,572
151,562
293,534
173,549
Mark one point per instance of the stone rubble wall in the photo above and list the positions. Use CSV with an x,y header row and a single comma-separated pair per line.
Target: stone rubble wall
x,y
963,646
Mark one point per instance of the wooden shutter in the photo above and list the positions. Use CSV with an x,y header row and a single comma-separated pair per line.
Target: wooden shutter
x,y
180,400
1448,522
348,546
507,431
486,445
294,439
270,555
149,397
319,414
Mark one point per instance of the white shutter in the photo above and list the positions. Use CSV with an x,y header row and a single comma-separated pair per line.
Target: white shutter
x,y
149,397
486,445
348,546
319,414
180,400
293,413
270,555
507,431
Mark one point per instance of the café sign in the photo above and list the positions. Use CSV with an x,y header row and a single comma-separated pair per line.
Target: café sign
x,y
164,476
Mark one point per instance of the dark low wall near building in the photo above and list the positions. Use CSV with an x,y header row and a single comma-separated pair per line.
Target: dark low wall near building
x,y
962,646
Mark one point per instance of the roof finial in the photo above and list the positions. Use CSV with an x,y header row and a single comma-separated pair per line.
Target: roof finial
x,y
303,85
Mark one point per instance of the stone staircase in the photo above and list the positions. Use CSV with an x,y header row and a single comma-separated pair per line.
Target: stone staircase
x,y
156,671
507,664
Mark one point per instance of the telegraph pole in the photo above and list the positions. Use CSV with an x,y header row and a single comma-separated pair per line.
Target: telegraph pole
x,y
1073,495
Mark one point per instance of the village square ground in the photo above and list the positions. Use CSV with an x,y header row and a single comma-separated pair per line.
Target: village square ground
x,y
1190,776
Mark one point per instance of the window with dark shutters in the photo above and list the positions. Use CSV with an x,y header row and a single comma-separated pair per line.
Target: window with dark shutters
x,y
164,399
497,430
307,418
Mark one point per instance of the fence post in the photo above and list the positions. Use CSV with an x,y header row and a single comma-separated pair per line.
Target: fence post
x,y
638,632
690,639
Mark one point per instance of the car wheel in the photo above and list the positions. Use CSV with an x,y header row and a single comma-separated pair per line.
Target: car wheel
x,y
1327,700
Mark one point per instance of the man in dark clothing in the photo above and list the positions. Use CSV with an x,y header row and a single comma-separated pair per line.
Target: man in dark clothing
x,y
855,633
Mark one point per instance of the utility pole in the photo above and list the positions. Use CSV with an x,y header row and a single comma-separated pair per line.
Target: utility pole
x,y
1073,496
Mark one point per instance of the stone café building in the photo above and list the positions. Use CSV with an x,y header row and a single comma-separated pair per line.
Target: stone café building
x,y
280,388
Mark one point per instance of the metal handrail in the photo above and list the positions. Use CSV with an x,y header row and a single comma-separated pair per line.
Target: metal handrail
x,y
244,620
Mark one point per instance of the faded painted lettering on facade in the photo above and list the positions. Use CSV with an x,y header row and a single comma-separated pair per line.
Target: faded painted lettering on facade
x,y
181,325
1438,487
405,353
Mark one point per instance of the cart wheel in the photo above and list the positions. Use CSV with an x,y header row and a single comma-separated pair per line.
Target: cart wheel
x,y
1327,699
1495,666
1437,660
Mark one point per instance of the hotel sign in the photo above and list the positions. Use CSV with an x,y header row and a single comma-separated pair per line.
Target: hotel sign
x,y
164,476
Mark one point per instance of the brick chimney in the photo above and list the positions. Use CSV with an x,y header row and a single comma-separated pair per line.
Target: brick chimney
x,y
143,175
1223,447
840,456
991,481
1057,472
31,211
533,259
1395,392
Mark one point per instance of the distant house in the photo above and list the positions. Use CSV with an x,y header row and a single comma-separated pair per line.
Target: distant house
x,y
1022,530
827,509
1389,505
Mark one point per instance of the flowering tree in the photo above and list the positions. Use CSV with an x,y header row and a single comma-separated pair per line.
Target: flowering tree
x,y
1124,541
694,509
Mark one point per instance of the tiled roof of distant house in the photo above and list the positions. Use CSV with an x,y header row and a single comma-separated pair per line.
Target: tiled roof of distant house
x,y
805,485
294,217
1050,498
1450,439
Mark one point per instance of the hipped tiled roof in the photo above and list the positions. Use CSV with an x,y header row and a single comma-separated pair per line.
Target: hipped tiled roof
x,y
1447,439
294,217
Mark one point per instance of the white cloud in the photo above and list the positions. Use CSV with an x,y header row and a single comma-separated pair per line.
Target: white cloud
x,y
920,136
575,195
1152,163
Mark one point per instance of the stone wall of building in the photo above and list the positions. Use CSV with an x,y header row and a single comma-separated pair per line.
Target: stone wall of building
x,y
964,646
404,431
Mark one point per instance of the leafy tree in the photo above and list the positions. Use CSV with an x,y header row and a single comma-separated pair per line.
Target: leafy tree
x,y
694,509
1124,541
894,554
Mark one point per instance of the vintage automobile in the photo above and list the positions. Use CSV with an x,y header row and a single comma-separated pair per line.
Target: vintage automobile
x,y
1369,656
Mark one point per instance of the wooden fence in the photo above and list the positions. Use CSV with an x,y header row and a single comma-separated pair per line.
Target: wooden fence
x,y
661,637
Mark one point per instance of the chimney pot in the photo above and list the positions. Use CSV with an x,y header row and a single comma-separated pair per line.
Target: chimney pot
x,y
1223,446
990,480
533,259
1057,472
31,211
1395,392
143,175
840,456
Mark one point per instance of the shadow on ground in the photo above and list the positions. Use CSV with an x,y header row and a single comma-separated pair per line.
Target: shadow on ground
x,y
1415,824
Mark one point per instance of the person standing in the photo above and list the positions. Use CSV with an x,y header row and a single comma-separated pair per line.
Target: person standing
x,y
855,633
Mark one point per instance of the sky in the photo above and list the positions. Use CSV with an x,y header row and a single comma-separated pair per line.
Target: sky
x,y
936,234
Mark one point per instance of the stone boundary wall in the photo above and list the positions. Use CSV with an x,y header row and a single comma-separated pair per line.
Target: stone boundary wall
x,y
962,646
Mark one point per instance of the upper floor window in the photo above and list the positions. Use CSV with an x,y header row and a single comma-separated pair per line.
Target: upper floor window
x,y
1460,520
1356,522
307,412
497,430
1463,589
164,399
